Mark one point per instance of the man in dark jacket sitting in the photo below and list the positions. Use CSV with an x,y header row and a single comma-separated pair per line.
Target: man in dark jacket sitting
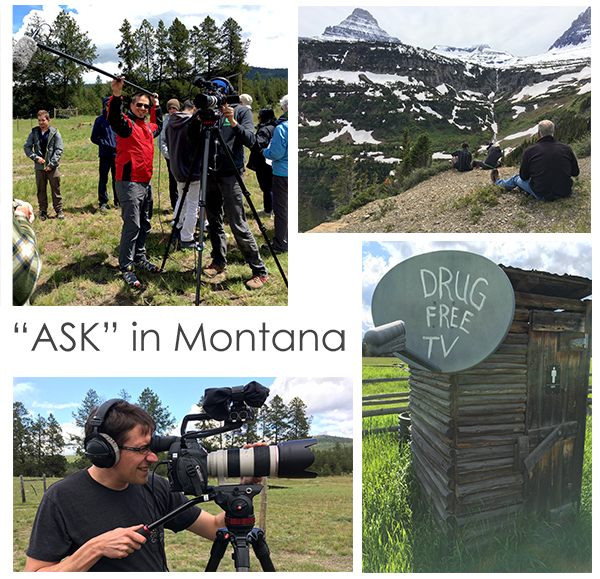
x,y
462,158
546,168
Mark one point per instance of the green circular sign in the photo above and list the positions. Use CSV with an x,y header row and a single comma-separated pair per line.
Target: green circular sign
x,y
457,308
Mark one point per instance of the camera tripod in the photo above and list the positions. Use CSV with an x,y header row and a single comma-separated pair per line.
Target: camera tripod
x,y
210,127
239,530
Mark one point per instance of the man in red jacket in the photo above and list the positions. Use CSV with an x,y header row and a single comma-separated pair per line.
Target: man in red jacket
x,y
134,163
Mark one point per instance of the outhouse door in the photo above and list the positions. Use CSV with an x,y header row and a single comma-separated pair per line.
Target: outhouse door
x,y
551,452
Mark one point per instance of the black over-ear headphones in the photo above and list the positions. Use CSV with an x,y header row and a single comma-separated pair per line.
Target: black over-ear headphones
x,y
100,448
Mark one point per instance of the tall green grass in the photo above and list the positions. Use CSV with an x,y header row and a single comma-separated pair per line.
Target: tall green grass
x,y
400,534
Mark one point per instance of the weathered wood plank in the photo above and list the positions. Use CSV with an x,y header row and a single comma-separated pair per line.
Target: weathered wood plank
x,y
543,321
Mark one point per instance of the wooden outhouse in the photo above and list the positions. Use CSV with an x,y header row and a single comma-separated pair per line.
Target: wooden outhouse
x,y
509,433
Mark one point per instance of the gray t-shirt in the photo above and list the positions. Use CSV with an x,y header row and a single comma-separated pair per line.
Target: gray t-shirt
x,y
77,508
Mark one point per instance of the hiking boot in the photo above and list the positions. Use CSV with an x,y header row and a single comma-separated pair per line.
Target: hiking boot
x,y
213,270
188,245
256,283
60,215
143,263
494,175
130,278
103,208
265,248
43,216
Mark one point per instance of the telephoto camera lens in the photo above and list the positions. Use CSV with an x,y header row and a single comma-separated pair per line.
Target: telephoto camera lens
x,y
286,460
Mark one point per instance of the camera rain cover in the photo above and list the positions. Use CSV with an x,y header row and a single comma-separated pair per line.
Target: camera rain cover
x,y
217,401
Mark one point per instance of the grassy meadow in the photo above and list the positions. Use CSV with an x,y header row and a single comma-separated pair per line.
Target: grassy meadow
x,y
79,254
308,529
400,535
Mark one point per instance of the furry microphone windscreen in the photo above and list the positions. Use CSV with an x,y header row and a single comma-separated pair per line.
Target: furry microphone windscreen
x,y
23,51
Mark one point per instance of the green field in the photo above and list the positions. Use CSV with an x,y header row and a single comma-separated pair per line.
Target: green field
x,y
308,528
400,535
79,254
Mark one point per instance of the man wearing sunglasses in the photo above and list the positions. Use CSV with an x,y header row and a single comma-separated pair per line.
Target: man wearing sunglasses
x,y
134,164
89,520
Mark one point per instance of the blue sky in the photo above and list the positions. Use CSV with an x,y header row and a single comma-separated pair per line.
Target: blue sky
x,y
329,400
264,25
531,253
519,30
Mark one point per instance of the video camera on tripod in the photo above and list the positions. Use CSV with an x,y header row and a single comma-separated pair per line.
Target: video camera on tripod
x,y
218,92
189,466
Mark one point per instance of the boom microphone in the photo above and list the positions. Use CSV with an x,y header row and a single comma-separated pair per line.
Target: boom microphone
x,y
23,51
26,46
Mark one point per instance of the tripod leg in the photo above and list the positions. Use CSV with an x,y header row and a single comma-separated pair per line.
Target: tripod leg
x,y
186,188
202,213
218,550
261,549
241,554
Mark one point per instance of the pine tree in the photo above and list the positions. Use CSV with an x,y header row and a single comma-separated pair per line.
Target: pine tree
x,y
343,188
124,395
22,439
38,427
276,420
162,55
146,40
420,153
405,167
209,48
91,401
179,67
151,403
234,49
67,76
128,52
54,463
299,421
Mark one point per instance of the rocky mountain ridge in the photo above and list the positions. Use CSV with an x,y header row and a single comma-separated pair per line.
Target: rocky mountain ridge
x,y
360,26
362,97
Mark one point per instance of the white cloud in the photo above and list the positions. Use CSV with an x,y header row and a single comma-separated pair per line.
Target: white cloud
x,y
23,388
270,39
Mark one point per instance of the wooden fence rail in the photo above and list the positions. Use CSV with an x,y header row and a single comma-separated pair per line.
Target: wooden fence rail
x,y
401,398
23,481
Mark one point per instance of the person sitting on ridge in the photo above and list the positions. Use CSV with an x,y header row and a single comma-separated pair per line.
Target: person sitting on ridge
x,y
546,167
461,158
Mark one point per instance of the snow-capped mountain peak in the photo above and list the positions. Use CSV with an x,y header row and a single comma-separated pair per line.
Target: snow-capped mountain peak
x,y
359,26
480,54
578,34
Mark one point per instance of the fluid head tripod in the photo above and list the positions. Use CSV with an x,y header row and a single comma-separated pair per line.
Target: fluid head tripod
x,y
239,530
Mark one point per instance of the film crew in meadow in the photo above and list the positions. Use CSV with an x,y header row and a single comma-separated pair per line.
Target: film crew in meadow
x,y
189,466
208,105
499,364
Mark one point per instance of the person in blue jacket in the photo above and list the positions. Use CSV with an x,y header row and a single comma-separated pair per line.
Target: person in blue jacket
x,y
104,136
277,152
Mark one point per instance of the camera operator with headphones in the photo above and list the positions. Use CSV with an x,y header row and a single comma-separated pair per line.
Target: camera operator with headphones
x,y
90,520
